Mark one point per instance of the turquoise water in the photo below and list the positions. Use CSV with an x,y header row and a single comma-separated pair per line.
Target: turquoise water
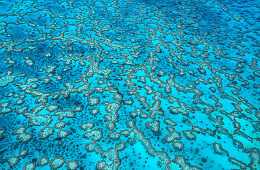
x,y
129,84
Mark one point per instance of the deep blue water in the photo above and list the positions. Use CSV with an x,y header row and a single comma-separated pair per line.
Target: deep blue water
x,y
129,84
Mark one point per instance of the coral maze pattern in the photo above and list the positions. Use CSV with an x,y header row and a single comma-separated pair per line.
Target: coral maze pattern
x,y
129,84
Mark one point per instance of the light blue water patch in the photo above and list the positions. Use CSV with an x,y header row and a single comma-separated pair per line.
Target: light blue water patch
x,y
139,158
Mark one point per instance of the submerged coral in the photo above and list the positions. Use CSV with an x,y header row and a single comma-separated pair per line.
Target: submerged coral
x,y
129,84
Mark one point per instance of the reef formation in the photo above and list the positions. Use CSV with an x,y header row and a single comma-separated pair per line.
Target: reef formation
x,y
129,84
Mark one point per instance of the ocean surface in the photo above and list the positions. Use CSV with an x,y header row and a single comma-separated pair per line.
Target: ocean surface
x,y
129,84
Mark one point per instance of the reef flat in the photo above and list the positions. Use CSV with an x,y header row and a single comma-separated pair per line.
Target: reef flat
x,y
129,84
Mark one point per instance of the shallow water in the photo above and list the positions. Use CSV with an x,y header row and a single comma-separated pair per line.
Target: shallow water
x,y
129,84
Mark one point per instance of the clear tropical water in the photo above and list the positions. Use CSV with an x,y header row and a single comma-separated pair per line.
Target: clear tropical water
x,y
129,84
